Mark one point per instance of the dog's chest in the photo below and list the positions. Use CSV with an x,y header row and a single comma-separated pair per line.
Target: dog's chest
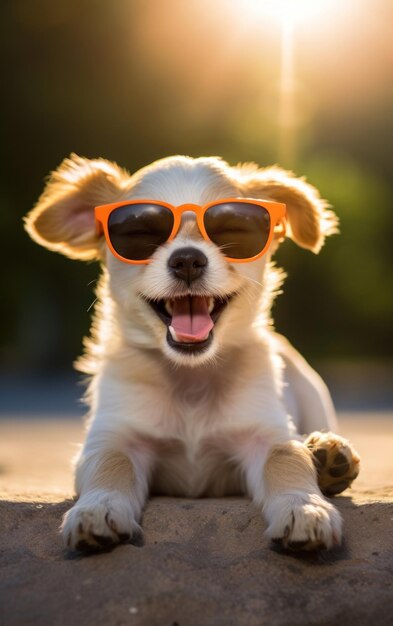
x,y
201,428
193,469
200,446
189,452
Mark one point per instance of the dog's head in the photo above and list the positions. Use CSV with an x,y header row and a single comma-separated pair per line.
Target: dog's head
x,y
189,301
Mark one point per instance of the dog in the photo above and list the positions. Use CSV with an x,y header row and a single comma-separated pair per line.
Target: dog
x,y
191,391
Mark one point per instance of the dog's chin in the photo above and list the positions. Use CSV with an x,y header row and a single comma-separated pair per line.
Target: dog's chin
x,y
188,347
192,356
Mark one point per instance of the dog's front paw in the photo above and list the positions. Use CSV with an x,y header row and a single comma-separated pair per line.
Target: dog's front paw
x,y
303,521
99,521
336,461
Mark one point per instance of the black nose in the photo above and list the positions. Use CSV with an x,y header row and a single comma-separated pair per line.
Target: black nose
x,y
188,264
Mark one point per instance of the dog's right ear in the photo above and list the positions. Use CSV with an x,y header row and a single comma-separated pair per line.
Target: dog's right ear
x,y
63,218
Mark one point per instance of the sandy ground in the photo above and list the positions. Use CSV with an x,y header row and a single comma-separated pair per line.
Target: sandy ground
x,y
202,562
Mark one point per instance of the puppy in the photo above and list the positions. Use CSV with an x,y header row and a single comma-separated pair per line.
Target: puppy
x,y
192,393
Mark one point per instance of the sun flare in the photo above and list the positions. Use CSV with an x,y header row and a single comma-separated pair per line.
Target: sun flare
x,y
288,11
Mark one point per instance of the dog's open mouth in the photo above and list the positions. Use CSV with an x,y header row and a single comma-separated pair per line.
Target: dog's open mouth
x,y
190,320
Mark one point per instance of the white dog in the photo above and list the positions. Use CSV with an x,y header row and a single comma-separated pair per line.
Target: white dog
x,y
192,393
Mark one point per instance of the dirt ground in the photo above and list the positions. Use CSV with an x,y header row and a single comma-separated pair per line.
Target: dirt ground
x,y
202,561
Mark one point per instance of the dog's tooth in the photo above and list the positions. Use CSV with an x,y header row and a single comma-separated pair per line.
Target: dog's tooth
x,y
210,305
173,333
169,306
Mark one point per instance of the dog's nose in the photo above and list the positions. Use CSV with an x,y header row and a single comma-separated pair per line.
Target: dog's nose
x,y
188,264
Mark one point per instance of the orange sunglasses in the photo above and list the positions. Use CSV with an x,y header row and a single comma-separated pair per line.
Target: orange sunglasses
x,y
242,228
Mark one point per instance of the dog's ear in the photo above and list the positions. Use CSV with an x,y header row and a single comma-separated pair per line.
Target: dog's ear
x,y
309,217
63,218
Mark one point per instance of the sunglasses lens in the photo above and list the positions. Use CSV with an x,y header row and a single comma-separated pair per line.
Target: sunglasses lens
x,y
240,229
136,230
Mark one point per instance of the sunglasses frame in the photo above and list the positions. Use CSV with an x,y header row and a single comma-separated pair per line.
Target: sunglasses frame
x,y
276,210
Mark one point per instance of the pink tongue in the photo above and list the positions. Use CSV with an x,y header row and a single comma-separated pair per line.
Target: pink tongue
x,y
190,318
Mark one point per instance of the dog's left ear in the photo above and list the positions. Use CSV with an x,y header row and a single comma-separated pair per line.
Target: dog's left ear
x,y
63,218
308,215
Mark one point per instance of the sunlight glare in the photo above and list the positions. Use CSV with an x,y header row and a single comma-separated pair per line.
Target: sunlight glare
x,y
288,11
290,15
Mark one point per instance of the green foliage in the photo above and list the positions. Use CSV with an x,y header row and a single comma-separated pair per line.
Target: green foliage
x,y
340,304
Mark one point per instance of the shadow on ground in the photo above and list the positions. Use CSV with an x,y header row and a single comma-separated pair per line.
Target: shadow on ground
x,y
202,562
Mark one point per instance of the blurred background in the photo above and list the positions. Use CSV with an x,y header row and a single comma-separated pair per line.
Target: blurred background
x,y
307,84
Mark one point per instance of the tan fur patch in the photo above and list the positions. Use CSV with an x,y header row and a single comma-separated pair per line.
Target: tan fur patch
x,y
289,466
108,470
63,218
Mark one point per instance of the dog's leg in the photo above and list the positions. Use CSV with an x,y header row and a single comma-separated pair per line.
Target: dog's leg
x,y
112,487
297,513
336,461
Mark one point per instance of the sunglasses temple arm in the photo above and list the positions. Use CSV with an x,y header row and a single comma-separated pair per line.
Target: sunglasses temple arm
x,y
99,227
280,228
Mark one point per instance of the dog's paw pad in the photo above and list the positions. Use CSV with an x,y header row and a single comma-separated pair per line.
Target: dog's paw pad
x,y
320,454
336,461
340,466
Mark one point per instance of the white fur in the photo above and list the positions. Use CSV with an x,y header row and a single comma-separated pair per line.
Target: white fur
x,y
302,517
195,425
